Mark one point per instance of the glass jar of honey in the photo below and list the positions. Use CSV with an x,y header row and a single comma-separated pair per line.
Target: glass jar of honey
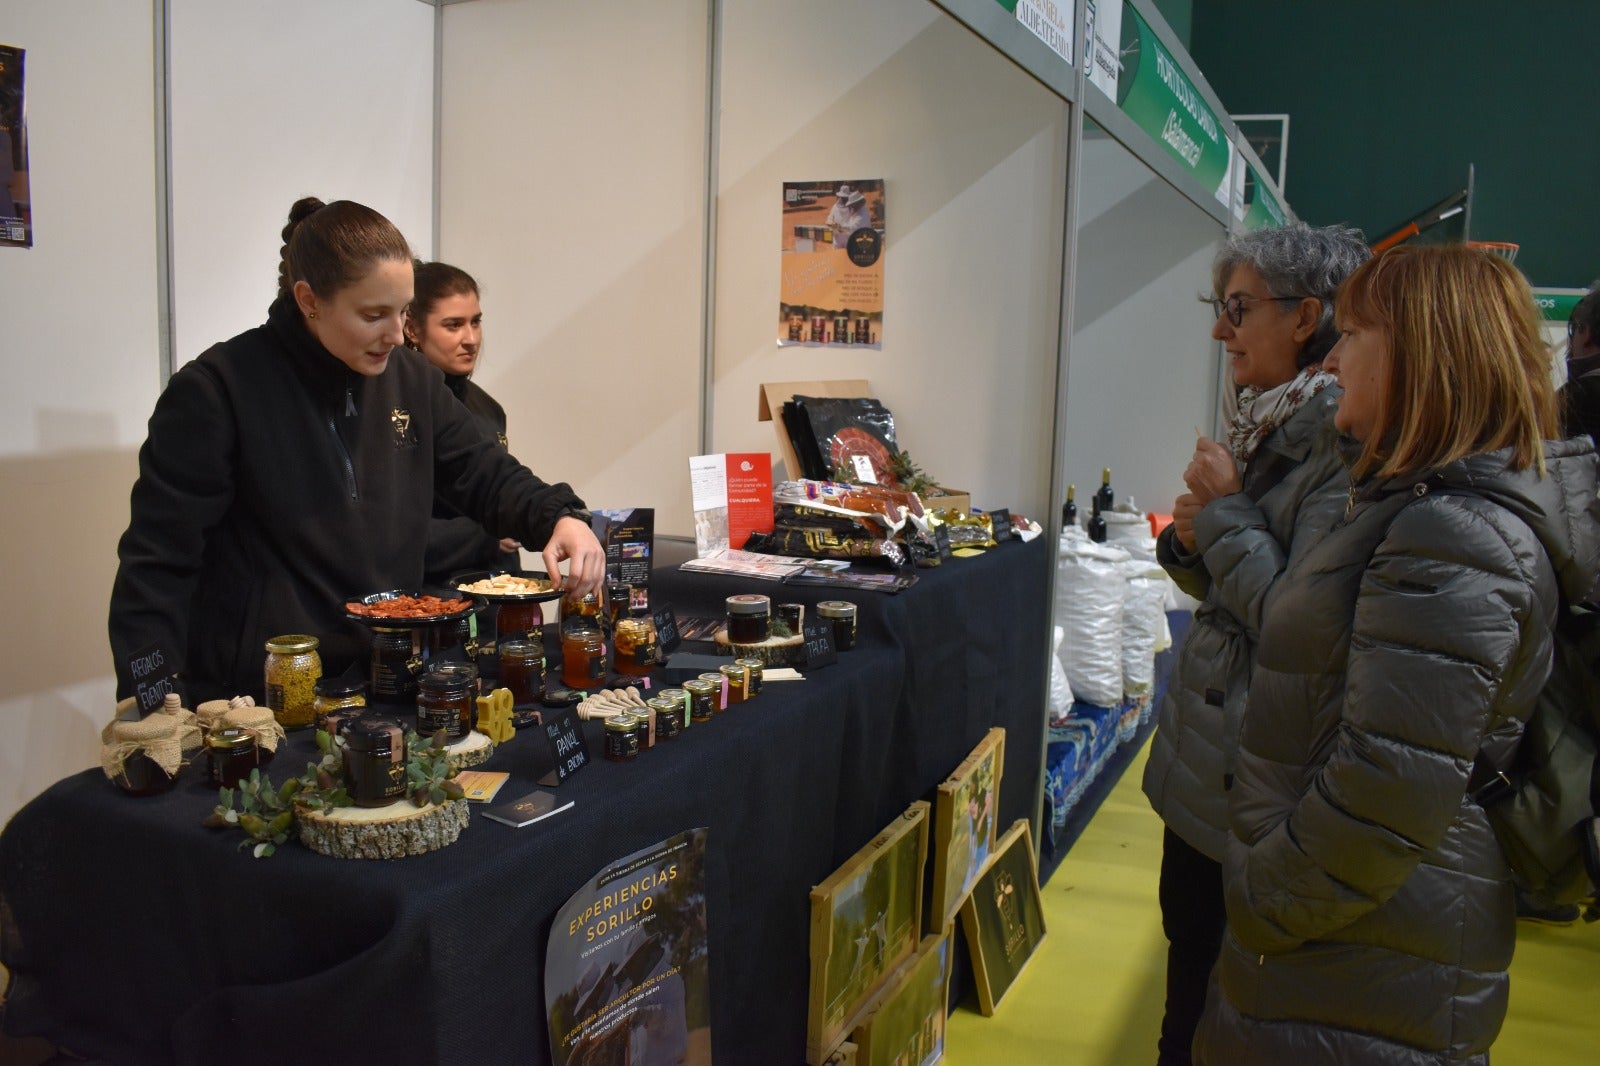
x,y
703,698
583,656
668,714
445,700
374,761
749,618
842,613
622,737
634,644
292,669
733,679
752,676
396,662
518,619
619,596
231,753
337,694
522,671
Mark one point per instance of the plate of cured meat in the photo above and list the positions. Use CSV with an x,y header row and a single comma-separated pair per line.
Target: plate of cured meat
x,y
400,608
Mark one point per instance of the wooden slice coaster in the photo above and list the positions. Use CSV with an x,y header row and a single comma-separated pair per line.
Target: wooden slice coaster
x,y
472,750
391,832
774,651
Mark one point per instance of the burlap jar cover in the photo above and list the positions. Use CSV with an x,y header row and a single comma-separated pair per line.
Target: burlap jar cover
x,y
258,721
163,736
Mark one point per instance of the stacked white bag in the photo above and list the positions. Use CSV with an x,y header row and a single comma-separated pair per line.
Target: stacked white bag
x,y
1090,593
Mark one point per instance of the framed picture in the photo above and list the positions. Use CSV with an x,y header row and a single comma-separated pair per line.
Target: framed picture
x,y
906,1025
964,814
843,1055
866,919
1003,917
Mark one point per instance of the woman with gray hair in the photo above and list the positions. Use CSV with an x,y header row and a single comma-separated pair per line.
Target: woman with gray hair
x,y
1277,480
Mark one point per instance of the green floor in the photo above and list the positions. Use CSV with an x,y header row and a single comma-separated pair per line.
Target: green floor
x,y
1093,994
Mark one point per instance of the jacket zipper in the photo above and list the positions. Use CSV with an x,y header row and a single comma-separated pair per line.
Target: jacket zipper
x,y
344,453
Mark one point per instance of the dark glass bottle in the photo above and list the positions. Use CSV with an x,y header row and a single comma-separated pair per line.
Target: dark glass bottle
x,y
1069,513
1102,497
1097,523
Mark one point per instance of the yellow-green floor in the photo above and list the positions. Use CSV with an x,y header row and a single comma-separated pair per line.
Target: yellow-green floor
x,y
1093,994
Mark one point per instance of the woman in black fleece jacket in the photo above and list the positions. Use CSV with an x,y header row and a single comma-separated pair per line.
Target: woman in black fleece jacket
x,y
294,467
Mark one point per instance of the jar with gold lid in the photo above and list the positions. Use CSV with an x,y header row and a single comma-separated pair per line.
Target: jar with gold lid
x,y
231,753
374,756
752,676
445,700
634,645
733,680
668,713
749,618
842,613
337,694
292,669
622,737
703,698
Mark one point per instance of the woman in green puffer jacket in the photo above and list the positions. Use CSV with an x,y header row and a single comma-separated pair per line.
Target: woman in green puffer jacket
x,y
1370,912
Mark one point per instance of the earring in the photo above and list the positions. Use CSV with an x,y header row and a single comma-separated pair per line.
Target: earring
x,y
311,314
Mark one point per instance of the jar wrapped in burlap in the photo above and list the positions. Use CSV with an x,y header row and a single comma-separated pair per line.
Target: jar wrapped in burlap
x,y
243,713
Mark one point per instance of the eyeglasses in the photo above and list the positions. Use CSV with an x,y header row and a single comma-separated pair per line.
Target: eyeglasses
x,y
1235,305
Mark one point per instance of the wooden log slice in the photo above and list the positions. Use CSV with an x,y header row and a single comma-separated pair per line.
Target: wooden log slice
x,y
472,750
774,651
391,832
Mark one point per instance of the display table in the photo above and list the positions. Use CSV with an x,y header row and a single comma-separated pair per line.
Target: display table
x,y
135,935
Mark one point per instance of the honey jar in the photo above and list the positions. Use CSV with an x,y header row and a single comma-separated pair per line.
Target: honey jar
x,y
842,613
634,646
733,679
336,694
703,698
292,669
583,656
752,676
374,761
668,713
622,738
231,753
749,618
445,700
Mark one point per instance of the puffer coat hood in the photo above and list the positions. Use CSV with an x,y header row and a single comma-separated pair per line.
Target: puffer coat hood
x,y
1370,909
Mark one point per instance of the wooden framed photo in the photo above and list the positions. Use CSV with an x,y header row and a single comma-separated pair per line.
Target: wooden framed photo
x,y
906,1024
866,919
964,813
1003,917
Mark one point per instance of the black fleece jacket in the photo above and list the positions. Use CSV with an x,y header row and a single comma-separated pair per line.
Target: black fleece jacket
x,y
275,484
455,541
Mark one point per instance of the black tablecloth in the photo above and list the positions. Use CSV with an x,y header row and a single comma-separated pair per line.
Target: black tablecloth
x,y
135,935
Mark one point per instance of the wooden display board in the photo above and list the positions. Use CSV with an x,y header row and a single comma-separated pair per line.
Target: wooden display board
x,y
907,1019
1003,917
866,920
965,810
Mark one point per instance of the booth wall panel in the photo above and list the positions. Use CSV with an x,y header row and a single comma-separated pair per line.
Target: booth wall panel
x,y
272,102
82,370
572,187
973,152
1144,371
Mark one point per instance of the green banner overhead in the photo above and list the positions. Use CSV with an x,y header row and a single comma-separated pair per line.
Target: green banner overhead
x,y
1155,93
1261,208
1556,304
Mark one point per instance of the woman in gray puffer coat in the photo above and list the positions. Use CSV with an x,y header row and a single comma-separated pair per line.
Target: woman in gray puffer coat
x,y
1279,473
1370,909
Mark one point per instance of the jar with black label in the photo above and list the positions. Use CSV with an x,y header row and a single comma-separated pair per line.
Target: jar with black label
x,y
752,676
338,721
517,619
684,701
792,615
231,753
583,656
292,669
619,598
622,737
749,618
374,761
668,713
337,694
634,643
733,678
396,662
842,613
445,697
522,671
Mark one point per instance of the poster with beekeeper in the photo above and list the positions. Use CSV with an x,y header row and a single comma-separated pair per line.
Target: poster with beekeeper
x,y
831,293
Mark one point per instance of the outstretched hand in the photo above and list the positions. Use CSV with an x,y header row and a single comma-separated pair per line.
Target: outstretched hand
x,y
574,542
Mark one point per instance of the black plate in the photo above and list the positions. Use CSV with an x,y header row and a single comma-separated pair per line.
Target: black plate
x,y
467,577
414,621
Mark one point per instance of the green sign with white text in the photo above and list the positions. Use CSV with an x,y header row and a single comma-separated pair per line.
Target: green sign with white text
x,y
1555,305
1160,98
1263,210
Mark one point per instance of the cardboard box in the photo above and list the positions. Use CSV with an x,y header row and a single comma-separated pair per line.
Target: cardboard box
x,y
777,393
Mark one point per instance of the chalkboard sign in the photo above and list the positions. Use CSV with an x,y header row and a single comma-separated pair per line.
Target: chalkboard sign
x,y
941,539
819,643
567,746
153,677
667,638
1000,517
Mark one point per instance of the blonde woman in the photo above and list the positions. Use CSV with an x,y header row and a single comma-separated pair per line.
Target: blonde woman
x,y
1370,910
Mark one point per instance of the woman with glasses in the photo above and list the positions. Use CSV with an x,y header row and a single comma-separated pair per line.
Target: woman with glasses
x,y
1370,911
1276,478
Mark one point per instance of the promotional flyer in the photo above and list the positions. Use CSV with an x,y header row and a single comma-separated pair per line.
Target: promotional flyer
x,y
831,293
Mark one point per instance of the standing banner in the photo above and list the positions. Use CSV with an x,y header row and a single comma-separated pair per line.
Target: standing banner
x,y
626,977
831,294
16,210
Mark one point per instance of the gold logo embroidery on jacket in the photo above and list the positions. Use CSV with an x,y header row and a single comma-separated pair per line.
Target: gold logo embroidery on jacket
x,y
400,418
501,437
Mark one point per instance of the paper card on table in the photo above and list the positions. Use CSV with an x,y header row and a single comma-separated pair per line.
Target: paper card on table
x,y
525,810
481,785
732,498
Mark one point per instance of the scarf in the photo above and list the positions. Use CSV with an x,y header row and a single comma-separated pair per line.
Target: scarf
x,y
1263,410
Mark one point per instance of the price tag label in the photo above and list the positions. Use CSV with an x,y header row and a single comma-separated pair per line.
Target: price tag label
x,y
153,677
667,636
567,746
819,644
864,472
